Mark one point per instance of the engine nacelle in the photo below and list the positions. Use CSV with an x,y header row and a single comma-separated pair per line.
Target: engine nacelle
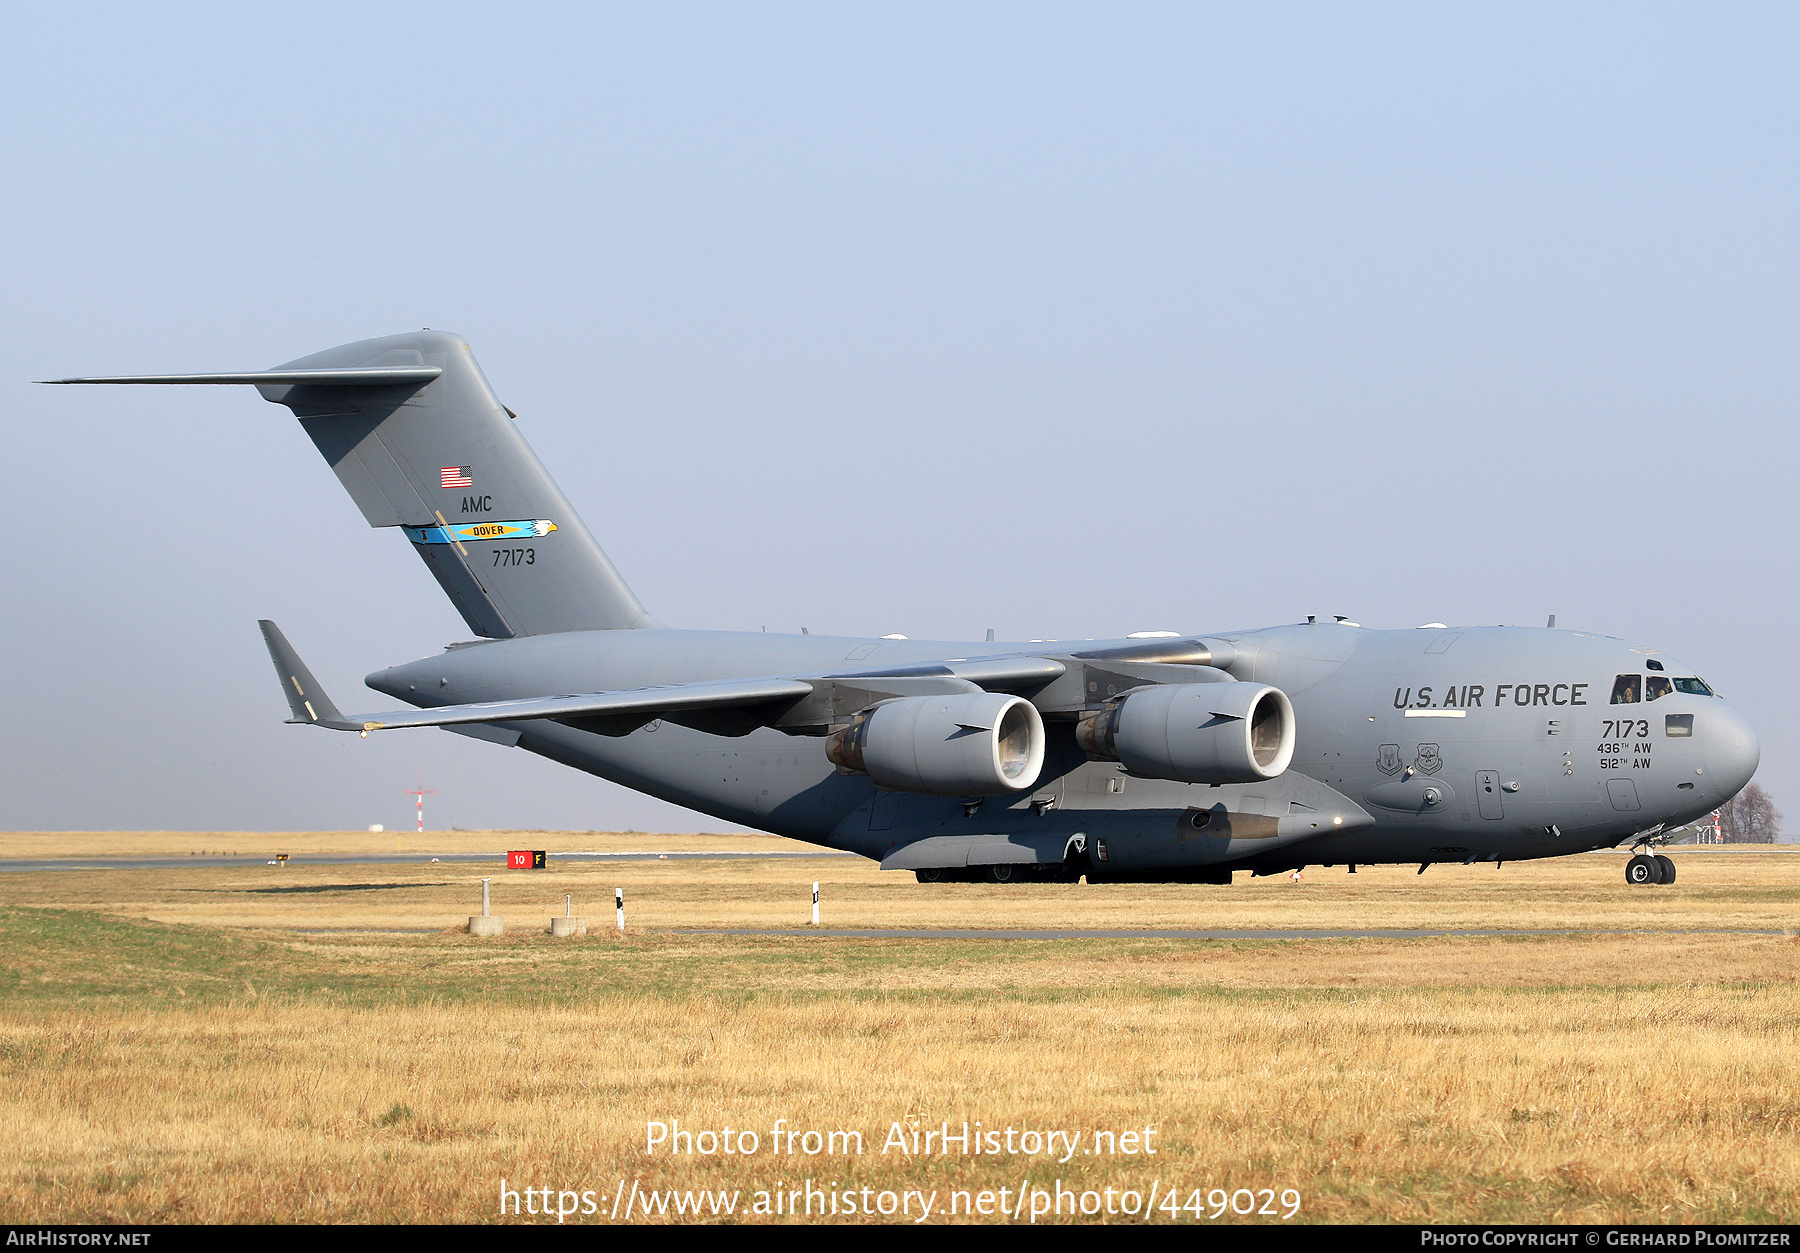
x,y
968,744
1195,732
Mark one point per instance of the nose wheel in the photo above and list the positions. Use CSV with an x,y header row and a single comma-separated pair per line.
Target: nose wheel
x,y
1645,868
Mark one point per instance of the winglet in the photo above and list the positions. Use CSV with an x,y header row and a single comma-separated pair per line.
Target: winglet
x,y
304,695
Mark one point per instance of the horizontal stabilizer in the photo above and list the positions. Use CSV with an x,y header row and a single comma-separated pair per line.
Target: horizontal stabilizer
x,y
381,376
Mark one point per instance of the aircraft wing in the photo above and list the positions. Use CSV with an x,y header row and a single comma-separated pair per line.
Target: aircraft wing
x,y
802,705
312,707
1020,670
675,698
992,673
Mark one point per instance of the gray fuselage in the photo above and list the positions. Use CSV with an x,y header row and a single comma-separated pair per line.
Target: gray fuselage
x,y
1473,744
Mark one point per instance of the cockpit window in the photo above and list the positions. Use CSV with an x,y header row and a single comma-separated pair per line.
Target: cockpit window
x,y
1628,689
1653,664
1678,726
1656,687
1693,687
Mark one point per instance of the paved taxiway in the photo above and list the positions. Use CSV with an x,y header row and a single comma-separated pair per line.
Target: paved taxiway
x,y
374,859
496,859
1377,934
928,933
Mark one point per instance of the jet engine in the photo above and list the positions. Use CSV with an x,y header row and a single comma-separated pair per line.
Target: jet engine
x,y
1195,732
968,744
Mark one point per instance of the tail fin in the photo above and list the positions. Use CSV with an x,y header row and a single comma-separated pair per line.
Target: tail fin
x,y
418,439
443,461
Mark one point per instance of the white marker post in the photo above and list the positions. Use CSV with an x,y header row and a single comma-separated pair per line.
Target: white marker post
x,y
569,906
484,897
619,904
815,904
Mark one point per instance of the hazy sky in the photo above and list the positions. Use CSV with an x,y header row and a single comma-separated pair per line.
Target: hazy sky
x,y
1063,320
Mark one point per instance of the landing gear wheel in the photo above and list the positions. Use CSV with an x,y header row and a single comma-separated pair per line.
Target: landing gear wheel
x,y
1641,870
929,876
1667,867
1000,874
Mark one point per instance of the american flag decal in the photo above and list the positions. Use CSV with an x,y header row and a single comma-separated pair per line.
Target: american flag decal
x,y
456,476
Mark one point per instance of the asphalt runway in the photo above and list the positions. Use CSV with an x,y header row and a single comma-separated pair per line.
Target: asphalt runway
x,y
372,859
921,933
925,933
1402,934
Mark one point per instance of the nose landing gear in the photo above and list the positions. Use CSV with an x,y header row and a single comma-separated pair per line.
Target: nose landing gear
x,y
1647,868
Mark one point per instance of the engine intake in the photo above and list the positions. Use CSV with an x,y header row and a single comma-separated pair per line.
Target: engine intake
x,y
1195,732
974,744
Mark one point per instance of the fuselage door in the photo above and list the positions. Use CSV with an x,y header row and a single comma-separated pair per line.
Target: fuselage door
x,y
1624,795
883,810
1487,793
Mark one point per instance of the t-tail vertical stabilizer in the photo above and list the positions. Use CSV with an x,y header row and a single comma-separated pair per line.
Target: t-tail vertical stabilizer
x,y
444,462
419,440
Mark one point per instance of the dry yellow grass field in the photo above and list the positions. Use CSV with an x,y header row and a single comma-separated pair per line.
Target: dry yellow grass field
x,y
211,1066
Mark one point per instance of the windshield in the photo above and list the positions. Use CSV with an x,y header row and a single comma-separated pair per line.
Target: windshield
x,y
1630,689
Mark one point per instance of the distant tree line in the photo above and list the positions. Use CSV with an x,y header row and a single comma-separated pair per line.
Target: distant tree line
x,y
1750,818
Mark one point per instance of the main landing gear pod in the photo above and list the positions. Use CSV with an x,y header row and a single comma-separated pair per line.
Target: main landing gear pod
x,y
979,744
1648,868
1195,732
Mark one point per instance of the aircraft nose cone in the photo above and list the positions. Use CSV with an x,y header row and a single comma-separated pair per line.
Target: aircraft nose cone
x,y
1731,749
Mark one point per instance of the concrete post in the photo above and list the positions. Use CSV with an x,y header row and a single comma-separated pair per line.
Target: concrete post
x,y
568,924
485,923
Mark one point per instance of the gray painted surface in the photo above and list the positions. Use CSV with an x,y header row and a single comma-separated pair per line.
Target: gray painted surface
x,y
1426,745
394,446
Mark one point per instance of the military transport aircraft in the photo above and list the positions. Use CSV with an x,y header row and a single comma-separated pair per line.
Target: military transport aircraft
x,y
1173,758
